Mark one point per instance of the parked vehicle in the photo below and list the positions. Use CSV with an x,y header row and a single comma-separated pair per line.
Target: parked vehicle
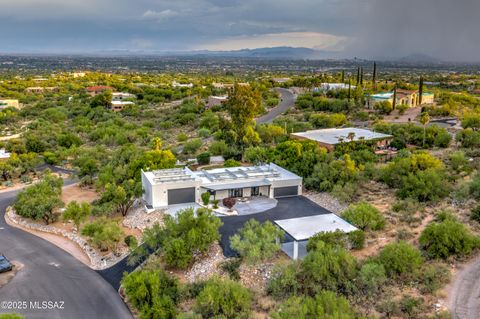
x,y
5,264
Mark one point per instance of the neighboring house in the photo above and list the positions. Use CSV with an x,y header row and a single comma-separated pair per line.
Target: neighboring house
x,y
411,98
281,80
120,96
181,185
4,103
329,138
324,87
39,90
4,155
98,89
118,106
216,100
78,74
175,84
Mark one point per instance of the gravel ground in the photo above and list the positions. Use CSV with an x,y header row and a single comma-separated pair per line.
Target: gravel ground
x,y
326,200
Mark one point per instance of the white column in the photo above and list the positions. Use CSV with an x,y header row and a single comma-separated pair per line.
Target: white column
x,y
295,250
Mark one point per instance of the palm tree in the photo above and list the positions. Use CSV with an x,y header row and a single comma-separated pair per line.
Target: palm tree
x,y
424,120
420,91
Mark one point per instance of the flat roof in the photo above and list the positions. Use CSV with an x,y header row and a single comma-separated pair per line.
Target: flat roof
x,y
263,174
234,184
303,228
335,136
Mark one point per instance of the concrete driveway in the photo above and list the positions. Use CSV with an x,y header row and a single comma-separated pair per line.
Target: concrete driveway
x,y
51,274
288,101
288,207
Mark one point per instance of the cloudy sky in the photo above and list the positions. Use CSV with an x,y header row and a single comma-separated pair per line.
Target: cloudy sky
x,y
446,29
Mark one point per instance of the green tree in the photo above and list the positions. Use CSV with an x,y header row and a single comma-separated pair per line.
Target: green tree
x,y
224,299
244,103
40,200
121,197
11,316
324,305
364,216
257,242
153,293
77,212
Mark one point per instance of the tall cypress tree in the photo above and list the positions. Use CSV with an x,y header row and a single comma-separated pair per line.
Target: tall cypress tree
x,y
374,75
349,88
394,104
361,76
420,90
358,76
343,76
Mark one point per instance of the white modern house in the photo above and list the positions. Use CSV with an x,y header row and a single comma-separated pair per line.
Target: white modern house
x,y
182,185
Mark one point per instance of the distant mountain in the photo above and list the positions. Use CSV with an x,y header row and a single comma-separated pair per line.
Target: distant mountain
x,y
275,52
419,58
283,52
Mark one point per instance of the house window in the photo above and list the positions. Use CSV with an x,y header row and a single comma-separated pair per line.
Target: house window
x,y
255,191
235,192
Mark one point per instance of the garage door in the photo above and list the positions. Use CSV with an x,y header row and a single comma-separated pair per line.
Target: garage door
x,y
181,196
285,191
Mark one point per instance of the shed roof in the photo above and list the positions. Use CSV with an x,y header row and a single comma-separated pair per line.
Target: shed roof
x,y
335,136
303,228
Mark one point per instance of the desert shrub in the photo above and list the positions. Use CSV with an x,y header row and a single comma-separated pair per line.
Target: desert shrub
x,y
325,305
475,215
337,238
284,281
434,276
192,146
103,233
356,239
447,238
188,234
231,267
218,148
364,216
324,268
371,278
257,242
153,293
411,306
205,198
229,202
203,158
231,163
224,299
130,241
400,259
475,186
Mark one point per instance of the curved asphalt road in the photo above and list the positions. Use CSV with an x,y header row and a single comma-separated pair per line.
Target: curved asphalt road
x,y
288,100
51,274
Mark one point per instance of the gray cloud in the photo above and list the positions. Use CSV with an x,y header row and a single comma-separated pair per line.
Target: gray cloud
x,y
442,28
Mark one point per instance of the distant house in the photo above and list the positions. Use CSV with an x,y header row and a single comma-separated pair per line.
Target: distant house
x,y
98,89
182,186
78,74
4,103
330,138
175,84
411,98
281,80
324,87
118,106
40,90
121,96
216,100
4,155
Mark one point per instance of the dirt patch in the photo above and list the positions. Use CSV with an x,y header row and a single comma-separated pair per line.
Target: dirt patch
x,y
6,277
76,193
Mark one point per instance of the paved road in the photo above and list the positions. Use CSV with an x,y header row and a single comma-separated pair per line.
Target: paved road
x,y
51,274
464,295
288,100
